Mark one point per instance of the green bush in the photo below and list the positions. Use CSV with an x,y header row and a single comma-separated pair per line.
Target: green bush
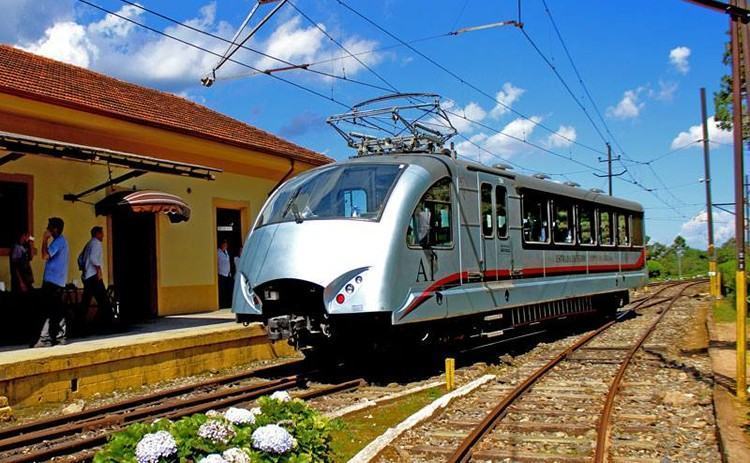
x,y
213,434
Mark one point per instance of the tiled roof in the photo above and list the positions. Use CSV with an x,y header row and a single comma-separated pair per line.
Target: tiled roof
x,y
35,77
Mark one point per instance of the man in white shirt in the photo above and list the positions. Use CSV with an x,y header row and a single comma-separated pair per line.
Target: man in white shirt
x,y
225,275
90,262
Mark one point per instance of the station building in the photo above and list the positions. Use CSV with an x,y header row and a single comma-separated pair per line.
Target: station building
x,y
165,177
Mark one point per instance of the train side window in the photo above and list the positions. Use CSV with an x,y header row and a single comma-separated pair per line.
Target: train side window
x,y
623,235
355,202
488,228
586,225
637,229
535,219
562,224
605,228
501,211
430,225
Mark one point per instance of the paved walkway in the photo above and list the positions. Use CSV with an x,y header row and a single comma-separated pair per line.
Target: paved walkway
x,y
153,330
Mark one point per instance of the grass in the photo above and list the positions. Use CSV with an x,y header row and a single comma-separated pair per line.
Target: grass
x,y
356,430
725,311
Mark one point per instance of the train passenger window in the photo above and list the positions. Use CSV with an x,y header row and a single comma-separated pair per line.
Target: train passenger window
x,y
586,228
486,210
501,211
605,228
535,219
562,224
637,229
623,235
355,203
430,224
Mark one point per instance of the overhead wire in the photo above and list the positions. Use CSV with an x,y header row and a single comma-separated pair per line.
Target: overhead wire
x,y
302,67
464,81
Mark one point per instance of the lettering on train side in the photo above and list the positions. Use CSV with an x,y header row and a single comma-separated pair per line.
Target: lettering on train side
x,y
422,272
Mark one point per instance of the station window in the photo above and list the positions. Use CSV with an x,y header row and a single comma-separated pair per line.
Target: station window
x,y
623,237
431,222
486,209
637,230
605,228
535,218
586,225
562,224
501,211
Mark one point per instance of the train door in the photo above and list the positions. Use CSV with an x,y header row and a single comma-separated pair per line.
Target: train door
x,y
488,248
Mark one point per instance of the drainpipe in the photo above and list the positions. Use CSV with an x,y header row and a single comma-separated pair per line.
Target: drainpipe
x,y
284,178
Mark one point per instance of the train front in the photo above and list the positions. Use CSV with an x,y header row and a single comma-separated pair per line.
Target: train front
x,y
313,266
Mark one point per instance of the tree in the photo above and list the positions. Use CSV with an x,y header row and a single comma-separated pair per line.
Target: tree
x,y
723,98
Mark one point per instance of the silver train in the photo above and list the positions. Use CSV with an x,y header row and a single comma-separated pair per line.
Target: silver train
x,y
426,248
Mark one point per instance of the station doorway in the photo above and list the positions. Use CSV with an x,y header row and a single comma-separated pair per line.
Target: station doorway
x,y
134,263
229,228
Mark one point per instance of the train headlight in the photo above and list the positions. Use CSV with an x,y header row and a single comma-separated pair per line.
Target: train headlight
x,y
358,280
349,288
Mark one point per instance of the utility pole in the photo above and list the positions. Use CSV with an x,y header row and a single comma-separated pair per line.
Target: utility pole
x,y
609,173
738,30
713,285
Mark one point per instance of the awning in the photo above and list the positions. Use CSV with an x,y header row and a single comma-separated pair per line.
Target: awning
x,y
146,201
18,145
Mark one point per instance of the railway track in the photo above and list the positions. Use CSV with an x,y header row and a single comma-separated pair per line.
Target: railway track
x,y
559,407
76,436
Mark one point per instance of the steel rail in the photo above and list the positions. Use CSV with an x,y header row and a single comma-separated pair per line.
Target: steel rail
x,y
464,451
93,413
603,426
78,450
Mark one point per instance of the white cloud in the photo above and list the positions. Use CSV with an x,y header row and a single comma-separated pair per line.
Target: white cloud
x,y
695,230
26,20
563,137
666,91
458,116
679,58
695,133
507,96
503,145
119,48
66,41
629,107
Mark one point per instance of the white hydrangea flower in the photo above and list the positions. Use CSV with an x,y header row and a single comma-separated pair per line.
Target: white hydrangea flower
x,y
216,431
235,455
272,438
281,396
213,458
154,446
240,416
213,414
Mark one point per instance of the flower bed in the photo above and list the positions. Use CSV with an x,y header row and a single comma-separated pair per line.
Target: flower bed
x,y
281,430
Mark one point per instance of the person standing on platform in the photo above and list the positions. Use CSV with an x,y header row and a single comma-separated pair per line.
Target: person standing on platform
x,y
90,261
55,253
21,275
225,275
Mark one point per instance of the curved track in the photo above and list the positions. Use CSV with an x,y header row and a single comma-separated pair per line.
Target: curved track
x,y
470,446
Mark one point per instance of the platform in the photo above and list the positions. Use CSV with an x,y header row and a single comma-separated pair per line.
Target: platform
x,y
159,350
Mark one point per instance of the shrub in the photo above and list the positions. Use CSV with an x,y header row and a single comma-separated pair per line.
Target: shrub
x,y
279,431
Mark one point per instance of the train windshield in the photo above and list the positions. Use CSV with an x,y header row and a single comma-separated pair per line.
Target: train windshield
x,y
339,192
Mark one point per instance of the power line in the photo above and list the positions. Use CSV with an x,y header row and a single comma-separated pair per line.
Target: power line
x,y
464,81
578,74
211,52
340,45
564,83
303,67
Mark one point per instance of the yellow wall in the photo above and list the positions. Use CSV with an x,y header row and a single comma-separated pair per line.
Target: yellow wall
x,y
186,251
186,254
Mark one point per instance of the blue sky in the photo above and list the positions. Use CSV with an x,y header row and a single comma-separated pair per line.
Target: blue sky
x,y
642,61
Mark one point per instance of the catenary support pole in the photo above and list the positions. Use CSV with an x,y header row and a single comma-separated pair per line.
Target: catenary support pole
x,y
739,196
713,287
